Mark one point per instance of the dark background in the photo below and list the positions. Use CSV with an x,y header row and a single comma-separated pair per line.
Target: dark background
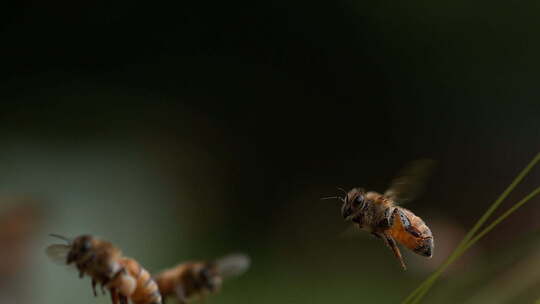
x,y
190,130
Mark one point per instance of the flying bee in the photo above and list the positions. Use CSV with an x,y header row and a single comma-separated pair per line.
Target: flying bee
x,y
124,277
380,215
190,280
19,225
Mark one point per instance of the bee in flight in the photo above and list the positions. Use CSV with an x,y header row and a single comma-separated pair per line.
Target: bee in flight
x,y
18,226
124,277
191,280
380,215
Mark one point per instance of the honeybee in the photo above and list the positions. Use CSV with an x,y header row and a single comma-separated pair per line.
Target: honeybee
x,y
19,225
124,277
198,279
380,215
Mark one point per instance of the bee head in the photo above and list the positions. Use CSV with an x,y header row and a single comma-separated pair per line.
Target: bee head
x,y
209,277
81,248
352,203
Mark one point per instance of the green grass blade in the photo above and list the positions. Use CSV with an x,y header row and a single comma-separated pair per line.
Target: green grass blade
x,y
427,283
502,217
474,240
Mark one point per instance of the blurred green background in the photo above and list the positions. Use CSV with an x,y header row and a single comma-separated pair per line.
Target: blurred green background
x,y
191,130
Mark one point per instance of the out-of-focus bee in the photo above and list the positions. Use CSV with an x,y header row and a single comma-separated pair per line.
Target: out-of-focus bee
x,y
198,279
379,214
103,262
19,225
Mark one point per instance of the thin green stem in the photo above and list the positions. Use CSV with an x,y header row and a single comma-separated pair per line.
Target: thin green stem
x,y
427,283
476,239
501,218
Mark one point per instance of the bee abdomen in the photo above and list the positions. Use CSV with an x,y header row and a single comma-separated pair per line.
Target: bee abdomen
x,y
147,291
425,248
420,242
153,298
425,242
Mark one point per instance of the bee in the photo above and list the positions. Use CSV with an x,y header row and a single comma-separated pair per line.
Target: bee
x,y
380,215
19,225
104,263
190,280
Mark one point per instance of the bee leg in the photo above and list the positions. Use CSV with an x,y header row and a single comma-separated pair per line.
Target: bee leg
x,y
180,294
82,266
114,296
406,223
104,283
392,245
94,287
123,300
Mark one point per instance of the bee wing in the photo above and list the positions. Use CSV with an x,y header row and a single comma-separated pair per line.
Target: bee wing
x,y
410,181
233,264
58,253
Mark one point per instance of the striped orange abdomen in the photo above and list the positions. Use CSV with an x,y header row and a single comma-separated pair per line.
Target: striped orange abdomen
x,y
422,244
146,290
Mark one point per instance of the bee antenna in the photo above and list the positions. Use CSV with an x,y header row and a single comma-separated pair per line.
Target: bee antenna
x,y
329,197
332,197
60,237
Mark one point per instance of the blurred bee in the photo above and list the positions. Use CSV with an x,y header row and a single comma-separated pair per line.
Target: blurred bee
x,y
198,279
19,225
378,213
103,262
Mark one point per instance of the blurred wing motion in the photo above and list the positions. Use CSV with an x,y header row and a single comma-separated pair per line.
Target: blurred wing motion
x,y
58,253
410,181
233,265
